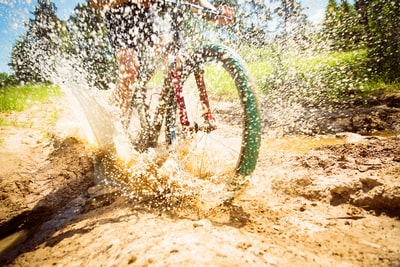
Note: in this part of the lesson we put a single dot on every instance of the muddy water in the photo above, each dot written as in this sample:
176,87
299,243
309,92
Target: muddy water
157,173
299,144
171,176
13,240
283,218
293,198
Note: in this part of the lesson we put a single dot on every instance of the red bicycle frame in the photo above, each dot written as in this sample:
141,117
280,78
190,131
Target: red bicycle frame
183,117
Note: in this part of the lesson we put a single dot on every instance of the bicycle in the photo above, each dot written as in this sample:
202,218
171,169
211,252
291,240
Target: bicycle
199,116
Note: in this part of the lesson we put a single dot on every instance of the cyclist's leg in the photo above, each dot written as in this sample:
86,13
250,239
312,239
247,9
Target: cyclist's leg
129,28
128,66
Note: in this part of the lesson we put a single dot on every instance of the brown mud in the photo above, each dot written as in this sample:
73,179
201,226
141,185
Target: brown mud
327,200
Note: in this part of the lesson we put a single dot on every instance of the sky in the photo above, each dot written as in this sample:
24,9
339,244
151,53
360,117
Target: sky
14,14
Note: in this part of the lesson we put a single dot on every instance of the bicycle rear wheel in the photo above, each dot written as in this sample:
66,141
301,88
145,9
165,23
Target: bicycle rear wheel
221,110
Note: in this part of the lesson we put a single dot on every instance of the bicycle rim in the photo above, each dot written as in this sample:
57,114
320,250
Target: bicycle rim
233,143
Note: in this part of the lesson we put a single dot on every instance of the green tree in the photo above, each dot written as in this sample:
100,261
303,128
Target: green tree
22,65
383,35
252,22
361,7
33,56
250,25
341,28
370,24
293,23
45,34
330,20
91,46
350,31
6,80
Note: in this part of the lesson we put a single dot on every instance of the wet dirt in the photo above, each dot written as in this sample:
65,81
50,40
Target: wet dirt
326,200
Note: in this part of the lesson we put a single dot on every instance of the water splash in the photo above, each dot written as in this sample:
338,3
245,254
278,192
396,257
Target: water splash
162,172
167,174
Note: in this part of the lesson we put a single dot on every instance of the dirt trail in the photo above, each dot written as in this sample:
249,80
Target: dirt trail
334,205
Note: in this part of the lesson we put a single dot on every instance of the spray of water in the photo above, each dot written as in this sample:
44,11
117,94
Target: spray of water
161,171
167,174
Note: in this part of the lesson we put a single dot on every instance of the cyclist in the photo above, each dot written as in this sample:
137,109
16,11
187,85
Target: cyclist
132,25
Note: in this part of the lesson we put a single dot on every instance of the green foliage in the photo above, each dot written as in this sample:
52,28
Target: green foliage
6,80
370,24
22,64
250,25
253,18
293,20
20,97
322,78
341,28
33,55
384,37
36,54
90,45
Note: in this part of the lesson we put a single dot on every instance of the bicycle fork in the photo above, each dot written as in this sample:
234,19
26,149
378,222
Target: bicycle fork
207,116
148,135
209,123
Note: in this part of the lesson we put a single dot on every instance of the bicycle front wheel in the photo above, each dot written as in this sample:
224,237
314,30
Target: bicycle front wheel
218,104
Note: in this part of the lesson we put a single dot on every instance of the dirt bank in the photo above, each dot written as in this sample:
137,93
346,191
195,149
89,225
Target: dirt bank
308,203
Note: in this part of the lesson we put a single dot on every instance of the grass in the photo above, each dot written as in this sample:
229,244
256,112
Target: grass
329,59
261,63
21,97
218,81
217,78
338,74
372,85
334,75
260,69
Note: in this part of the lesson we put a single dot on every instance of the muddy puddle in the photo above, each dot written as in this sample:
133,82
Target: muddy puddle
322,200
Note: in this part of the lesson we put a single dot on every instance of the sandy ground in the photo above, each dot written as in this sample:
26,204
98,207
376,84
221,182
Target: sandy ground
330,200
